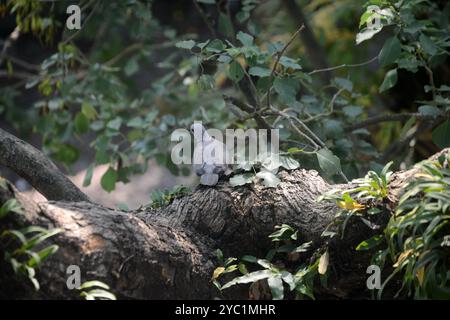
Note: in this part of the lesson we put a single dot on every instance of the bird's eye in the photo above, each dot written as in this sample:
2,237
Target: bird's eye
192,130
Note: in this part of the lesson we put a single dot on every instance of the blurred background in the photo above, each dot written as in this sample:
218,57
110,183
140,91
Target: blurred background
103,100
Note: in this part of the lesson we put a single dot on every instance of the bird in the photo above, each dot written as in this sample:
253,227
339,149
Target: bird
210,156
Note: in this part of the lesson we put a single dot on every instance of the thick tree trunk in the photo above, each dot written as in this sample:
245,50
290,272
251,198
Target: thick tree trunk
168,252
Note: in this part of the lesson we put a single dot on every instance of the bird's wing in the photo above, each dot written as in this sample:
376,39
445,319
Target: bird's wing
209,179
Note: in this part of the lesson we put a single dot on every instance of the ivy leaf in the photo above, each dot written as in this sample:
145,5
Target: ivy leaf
328,162
290,63
389,81
241,179
259,72
352,111
344,83
235,71
390,51
109,178
269,179
245,38
287,88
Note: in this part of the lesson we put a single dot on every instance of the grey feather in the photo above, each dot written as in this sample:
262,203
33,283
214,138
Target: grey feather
209,179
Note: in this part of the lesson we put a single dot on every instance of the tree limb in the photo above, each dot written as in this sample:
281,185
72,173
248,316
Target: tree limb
32,165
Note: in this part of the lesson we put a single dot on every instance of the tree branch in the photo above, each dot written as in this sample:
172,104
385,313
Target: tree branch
32,165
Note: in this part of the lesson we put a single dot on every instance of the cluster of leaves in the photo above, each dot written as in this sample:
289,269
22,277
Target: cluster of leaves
23,248
92,95
264,167
368,193
415,239
420,40
285,267
95,290
161,198
417,236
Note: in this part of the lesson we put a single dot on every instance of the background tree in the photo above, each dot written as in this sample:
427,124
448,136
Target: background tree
348,96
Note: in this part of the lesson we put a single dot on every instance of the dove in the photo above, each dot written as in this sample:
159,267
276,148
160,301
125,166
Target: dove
210,156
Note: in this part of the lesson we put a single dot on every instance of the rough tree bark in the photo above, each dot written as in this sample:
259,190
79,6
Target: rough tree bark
167,253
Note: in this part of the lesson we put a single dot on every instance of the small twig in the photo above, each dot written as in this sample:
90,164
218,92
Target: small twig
330,108
392,117
205,19
277,61
22,63
72,36
12,37
343,66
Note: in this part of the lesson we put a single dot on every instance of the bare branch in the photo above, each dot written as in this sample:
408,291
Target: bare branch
32,165
279,55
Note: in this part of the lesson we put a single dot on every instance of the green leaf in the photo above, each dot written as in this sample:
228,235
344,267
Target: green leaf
109,178
276,287
235,71
352,111
245,38
249,278
344,83
427,45
241,179
441,135
98,293
259,72
131,67
115,123
81,123
390,51
215,46
185,44
328,162
269,179
88,177
389,81
287,88
290,63
366,34
429,110
10,205
88,111
250,259
289,163
93,283
369,243
43,254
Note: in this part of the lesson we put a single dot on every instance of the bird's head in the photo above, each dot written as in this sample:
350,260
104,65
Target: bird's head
199,131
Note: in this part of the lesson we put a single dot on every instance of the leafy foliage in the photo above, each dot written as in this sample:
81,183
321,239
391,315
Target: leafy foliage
95,290
23,248
297,278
